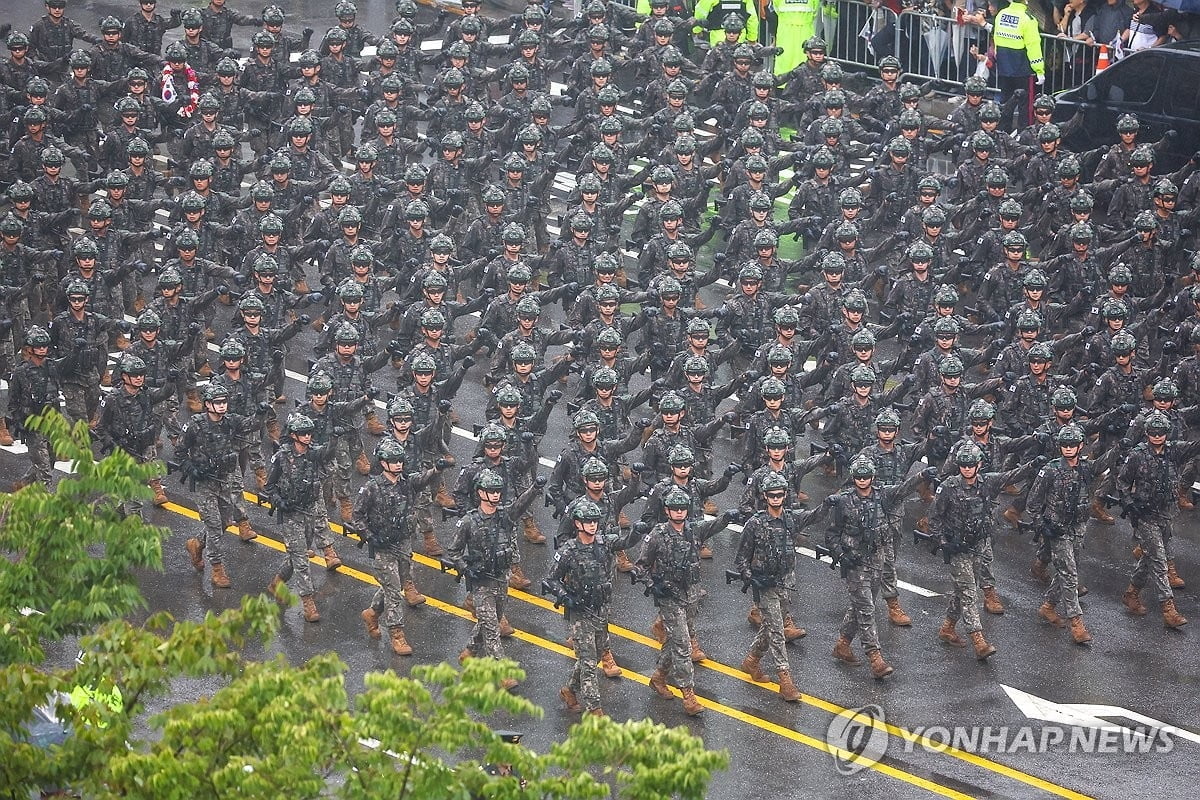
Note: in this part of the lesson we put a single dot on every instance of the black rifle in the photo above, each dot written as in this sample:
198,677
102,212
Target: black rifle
752,583
920,536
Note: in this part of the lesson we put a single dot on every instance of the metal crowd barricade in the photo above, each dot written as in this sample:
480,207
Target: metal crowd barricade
858,33
1069,62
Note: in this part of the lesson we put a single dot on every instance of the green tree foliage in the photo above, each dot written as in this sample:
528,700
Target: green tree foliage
273,730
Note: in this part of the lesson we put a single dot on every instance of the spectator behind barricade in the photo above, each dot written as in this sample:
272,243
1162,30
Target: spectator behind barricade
1141,34
1105,20
1167,27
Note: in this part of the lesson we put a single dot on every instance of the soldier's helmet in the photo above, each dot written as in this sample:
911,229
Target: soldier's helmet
677,498
969,455
586,511
862,467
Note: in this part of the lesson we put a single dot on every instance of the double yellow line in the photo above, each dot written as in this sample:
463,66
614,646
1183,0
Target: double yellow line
720,708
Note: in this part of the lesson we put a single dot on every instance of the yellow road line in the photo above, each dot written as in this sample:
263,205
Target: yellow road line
555,647
724,669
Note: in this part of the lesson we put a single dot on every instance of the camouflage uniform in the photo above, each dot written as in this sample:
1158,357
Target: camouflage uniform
209,450
294,490
767,553
1059,499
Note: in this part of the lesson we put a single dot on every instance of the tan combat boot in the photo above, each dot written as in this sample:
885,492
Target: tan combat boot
532,532
273,431
792,631
752,666
6,438
1079,631
194,405
691,706
431,545
950,636
879,668
1012,516
1173,579
705,552
623,562
1132,600
196,551
444,498
245,532
1100,513
658,682
1047,612
345,509
710,507
787,689
205,370
300,287
411,596
506,628
896,614
608,665
160,497
1185,498
658,631
362,464
697,655
1038,570
843,652
374,426
400,645
219,578
508,684
983,650
570,700
371,620
1171,616
260,478
755,616
332,561
310,609
273,589
991,601
517,579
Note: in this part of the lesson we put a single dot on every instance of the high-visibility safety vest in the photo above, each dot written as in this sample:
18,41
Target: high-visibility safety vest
715,11
1018,42
797,22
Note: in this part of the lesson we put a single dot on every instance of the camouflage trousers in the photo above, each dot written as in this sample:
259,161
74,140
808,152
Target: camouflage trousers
887,566
589,630
1064,584
39,457
964,602
770,632
862,584
491,598
393,567
987,580
219,505
1154,535
675,657
81,401
297,528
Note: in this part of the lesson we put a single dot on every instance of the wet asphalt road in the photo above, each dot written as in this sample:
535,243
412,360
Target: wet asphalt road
777,749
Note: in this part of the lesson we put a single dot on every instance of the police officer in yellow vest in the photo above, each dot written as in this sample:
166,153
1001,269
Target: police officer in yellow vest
1019,63
797,21
712,13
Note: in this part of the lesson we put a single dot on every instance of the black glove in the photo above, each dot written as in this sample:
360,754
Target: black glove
831,500
304,319
372,392
444,406
731,515
929,474
539,481
444,463
644,423
553,396
733,469
468,361
729,416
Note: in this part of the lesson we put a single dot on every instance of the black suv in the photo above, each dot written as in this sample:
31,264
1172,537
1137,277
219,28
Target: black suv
1159,86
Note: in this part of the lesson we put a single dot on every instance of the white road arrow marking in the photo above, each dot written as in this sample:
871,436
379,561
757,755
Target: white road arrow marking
1087,715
